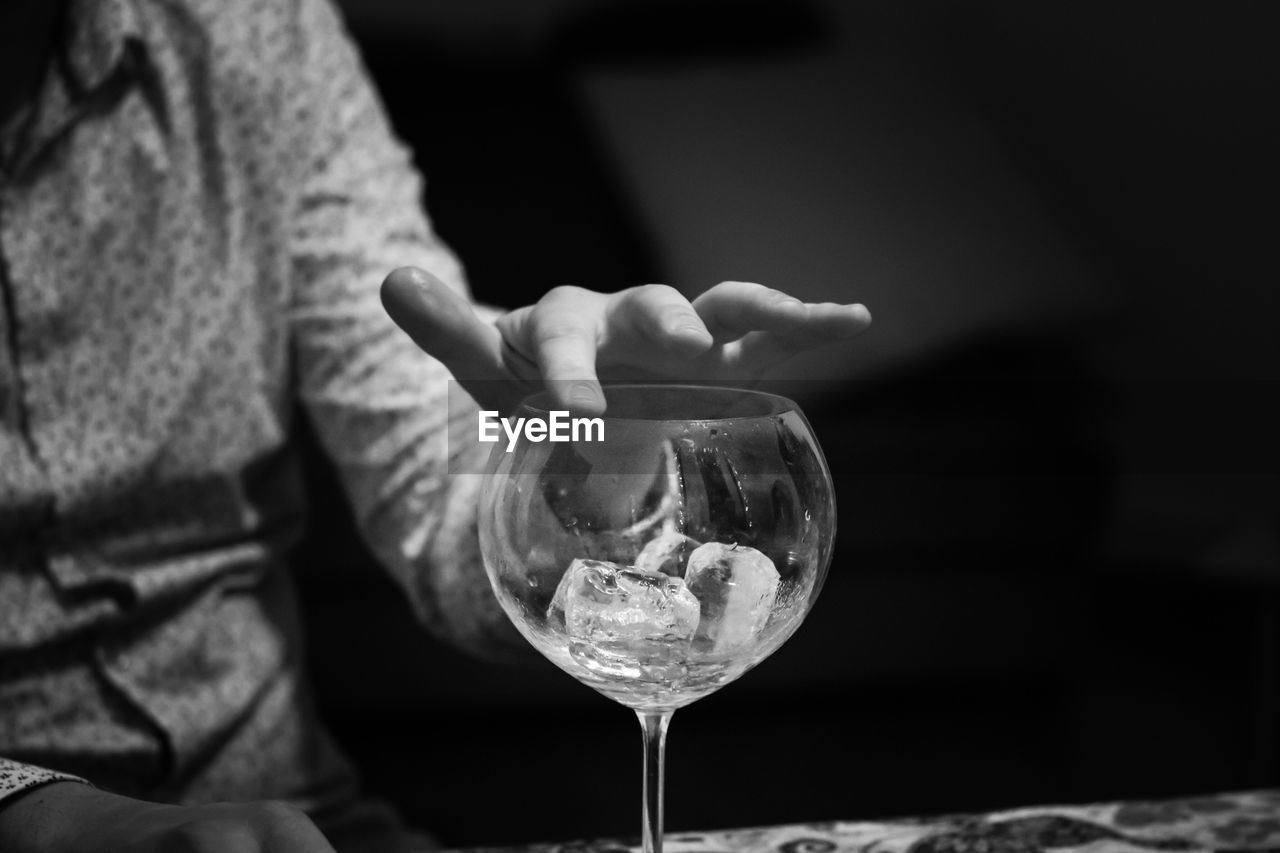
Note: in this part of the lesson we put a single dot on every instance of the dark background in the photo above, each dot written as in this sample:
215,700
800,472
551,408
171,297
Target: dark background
1057,570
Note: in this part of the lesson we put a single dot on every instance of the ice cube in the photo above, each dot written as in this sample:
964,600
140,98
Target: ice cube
605,602
573,580
666,552
736,587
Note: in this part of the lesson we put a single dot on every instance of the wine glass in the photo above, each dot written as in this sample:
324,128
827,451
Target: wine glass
662,559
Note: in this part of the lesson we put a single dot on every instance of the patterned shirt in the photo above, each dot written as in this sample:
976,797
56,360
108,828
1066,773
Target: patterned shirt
194,223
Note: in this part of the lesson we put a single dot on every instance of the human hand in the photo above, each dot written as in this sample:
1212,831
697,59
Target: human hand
70,817
572,337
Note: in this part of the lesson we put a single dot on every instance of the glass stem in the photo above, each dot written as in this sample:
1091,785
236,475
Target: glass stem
654,728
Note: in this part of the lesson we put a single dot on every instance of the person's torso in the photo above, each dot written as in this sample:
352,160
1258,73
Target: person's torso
146,490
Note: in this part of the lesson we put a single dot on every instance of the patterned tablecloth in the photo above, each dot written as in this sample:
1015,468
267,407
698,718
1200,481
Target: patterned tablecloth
1222,822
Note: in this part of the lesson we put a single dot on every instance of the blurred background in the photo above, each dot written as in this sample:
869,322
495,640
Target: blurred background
1057,574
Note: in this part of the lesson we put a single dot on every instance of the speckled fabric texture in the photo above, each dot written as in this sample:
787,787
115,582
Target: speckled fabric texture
15,777
1229,823
193,229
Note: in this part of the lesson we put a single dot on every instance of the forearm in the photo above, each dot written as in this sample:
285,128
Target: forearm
37,817
426,534
67,817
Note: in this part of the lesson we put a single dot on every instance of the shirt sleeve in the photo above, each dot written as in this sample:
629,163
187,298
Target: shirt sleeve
380,406
16,778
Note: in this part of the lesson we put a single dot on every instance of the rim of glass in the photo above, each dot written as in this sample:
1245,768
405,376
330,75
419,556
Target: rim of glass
778,404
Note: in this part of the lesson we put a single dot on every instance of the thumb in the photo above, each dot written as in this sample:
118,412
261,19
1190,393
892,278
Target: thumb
443,325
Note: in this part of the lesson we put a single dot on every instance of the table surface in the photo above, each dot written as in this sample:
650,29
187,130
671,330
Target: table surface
1219,822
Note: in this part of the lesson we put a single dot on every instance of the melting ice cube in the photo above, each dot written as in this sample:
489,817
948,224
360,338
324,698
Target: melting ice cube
625,622
736,586
666,552
570,582
602,601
